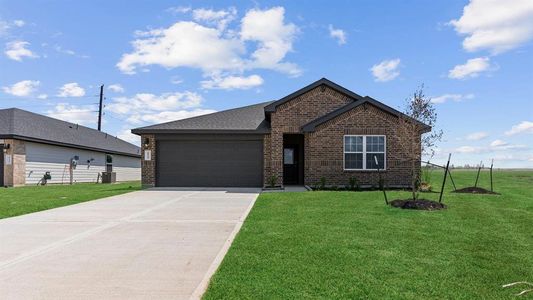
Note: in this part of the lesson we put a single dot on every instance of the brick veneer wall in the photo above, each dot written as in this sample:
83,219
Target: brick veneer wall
291,116
324,149
148,167
15,174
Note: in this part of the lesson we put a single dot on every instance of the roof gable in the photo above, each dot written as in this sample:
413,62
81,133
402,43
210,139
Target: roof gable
323,81
25,125
311,126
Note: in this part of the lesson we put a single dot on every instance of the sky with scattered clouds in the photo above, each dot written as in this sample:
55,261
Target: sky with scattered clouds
169,60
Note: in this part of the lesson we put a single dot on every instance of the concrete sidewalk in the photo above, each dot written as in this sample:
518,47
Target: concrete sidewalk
158,244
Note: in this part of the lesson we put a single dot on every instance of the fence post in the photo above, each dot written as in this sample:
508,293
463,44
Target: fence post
451,178
478,170
382,182
444,179
491,164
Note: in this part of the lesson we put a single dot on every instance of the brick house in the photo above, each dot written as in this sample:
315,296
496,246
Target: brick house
321,130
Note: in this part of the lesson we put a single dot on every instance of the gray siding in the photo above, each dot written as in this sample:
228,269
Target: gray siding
41,158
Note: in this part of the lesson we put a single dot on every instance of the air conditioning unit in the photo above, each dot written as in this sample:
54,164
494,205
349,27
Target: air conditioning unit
109,177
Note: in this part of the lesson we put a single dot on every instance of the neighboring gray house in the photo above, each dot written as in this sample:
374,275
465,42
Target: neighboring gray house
34,144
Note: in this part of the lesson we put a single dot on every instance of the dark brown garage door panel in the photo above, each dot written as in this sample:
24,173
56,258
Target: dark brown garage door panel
237,163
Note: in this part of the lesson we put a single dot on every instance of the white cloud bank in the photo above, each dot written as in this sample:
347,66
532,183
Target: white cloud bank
337,34
495,25
206,43
22,88
386,70
233,82
476,136
471,69
117,88
150,108
523,127
451,97
79,114
17,50
72,89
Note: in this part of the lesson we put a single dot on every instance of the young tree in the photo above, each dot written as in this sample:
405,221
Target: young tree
415,133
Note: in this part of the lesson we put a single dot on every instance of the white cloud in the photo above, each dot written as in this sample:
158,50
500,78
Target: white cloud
493,147
22,88
498,143
5,26
219,18
233,82
337,34
471,68
83,114
386,70
467,149
179,9
42,96
117,88
145,102
149,108
495,25
17,50
71,89
274,38
476,136
19,23
523,127
184,44
451,97
167,116
215,49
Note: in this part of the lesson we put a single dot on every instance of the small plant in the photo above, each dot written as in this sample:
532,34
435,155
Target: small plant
322,184
272,181
381,183
354,184
334,188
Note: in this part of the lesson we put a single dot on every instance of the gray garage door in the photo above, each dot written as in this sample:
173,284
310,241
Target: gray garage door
205,163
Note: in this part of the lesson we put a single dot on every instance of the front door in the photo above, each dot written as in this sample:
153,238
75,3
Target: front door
290,164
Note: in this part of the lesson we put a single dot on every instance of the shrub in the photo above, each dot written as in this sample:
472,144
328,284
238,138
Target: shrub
381,183
272,180
353,184
322,184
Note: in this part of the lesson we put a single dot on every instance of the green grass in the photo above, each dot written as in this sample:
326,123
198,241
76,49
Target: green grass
350,245
28,199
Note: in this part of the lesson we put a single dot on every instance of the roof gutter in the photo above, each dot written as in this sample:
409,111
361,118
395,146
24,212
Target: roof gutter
30,139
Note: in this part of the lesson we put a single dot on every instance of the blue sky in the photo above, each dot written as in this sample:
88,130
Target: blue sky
165,60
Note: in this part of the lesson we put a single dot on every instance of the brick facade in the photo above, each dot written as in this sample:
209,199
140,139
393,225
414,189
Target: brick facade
148,166
291,116
15,173
325,154
324,148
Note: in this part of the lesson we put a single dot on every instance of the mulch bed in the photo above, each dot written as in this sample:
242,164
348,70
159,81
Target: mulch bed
475,190
421,204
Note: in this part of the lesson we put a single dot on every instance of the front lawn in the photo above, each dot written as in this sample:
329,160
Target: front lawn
28,199
350,245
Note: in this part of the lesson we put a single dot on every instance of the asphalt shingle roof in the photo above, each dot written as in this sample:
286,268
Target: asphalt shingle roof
17,123
239,120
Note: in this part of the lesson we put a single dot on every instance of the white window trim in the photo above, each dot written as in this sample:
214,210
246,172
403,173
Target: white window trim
364,152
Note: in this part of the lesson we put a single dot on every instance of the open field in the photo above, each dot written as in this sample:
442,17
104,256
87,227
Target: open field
28,199
350,245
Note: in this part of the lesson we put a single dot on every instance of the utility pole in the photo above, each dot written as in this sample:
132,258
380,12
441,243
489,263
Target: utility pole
100,108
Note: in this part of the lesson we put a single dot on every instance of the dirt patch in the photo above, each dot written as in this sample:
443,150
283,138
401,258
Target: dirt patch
474,190
421,204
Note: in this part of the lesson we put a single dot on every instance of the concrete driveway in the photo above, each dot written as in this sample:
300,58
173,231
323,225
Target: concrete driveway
157,244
